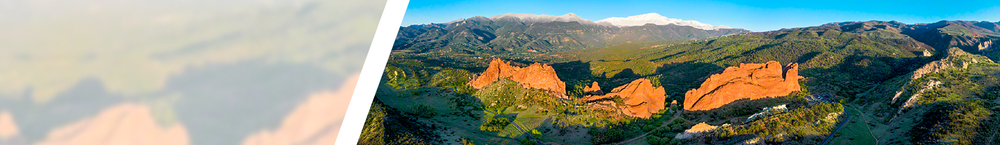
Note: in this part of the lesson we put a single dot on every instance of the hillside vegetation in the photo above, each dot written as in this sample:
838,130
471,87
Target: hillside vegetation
899,83
481,36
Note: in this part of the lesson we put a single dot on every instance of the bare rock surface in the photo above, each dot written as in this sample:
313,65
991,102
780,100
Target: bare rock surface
695,130
747,81
540,76
535,76
640,98
593,89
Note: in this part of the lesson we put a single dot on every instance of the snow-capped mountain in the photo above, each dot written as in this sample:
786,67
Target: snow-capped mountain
637,20
542,18
654,18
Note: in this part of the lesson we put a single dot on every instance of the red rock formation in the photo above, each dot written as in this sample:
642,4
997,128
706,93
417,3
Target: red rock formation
639,96
748,81
540,76
593,89
498,69
536,76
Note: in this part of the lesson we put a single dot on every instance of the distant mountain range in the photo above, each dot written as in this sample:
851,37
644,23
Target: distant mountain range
970,36
516,33
654,18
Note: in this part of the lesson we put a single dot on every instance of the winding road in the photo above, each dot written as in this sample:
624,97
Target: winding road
827,140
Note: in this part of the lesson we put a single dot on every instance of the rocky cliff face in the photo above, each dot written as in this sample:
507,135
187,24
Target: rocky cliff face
748,81
498,69
536,76
957,58
540,76
593,89
985,45
640,98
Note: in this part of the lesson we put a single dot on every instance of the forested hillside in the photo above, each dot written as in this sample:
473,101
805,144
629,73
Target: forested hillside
487,36
871,82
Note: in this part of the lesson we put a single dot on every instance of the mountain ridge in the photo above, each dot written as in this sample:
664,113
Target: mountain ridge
657,19
528,33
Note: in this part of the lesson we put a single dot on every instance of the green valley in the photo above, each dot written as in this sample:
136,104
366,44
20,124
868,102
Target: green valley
900,83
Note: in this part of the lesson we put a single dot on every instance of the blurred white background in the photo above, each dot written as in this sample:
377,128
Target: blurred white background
180,72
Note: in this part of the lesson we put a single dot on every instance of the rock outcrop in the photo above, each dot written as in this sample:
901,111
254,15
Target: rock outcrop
535,76
593,89
985,45
696,130
955,57
748,81
498,69
640,98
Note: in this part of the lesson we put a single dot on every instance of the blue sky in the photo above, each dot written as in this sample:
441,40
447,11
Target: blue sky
752,15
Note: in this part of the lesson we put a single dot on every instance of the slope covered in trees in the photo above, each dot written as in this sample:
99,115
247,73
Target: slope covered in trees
858,66
485,36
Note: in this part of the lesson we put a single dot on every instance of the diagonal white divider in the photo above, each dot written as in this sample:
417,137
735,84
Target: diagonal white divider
371,73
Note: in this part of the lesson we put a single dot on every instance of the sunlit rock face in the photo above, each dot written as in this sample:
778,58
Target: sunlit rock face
696,130
535,76
123,124
314,122
593,89
540,76
640,98
747,81
498,69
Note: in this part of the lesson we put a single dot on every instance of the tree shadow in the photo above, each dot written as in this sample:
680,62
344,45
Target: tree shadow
857,74
807,57
737,111
623,77
678,78
576,75
407,122
573,70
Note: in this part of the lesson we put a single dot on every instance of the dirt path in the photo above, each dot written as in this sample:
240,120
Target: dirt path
866,124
